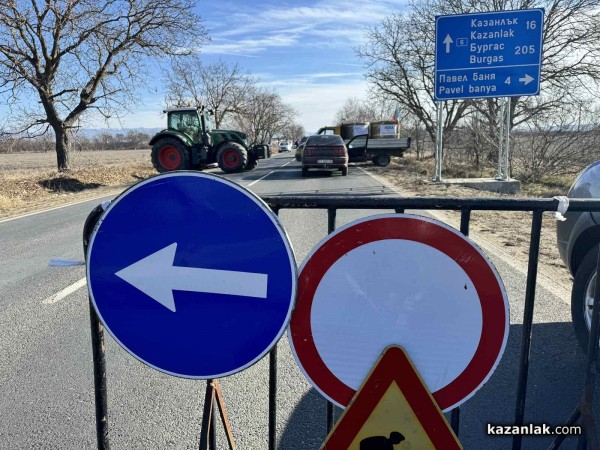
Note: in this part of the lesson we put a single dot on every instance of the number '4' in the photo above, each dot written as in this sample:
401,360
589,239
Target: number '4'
507,80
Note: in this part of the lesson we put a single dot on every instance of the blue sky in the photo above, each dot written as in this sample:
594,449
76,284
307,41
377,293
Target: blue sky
304,49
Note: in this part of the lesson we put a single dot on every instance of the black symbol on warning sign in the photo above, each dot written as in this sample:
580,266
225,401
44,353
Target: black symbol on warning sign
381,442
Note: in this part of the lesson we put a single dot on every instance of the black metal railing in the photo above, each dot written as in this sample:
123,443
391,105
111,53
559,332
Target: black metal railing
583,414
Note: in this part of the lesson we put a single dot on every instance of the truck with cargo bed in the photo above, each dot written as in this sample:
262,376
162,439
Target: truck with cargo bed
371,141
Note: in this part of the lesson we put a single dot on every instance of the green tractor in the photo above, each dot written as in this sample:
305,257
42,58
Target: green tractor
189,142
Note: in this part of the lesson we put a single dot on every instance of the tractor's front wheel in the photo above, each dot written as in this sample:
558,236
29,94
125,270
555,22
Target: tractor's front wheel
252,162
170,154
232,157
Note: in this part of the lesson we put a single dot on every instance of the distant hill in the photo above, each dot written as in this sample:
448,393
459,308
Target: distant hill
93,132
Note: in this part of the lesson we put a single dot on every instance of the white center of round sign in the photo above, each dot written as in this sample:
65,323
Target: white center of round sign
349,328
403,280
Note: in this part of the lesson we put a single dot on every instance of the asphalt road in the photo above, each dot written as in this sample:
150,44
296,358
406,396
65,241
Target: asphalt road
46,385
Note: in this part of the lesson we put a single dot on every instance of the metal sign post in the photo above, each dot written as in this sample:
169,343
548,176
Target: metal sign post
437,177
507,140
504,141
499,174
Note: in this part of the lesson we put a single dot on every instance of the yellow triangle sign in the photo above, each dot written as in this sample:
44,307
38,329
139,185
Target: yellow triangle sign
393,409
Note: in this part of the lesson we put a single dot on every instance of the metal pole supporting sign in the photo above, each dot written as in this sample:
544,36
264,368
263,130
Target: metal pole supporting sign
507,140
499,174
438,144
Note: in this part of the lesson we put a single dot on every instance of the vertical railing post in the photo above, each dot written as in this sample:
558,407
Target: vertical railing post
208,432
98,347
273,390
331,216
534,247
100,389
273,398
465,219
330,416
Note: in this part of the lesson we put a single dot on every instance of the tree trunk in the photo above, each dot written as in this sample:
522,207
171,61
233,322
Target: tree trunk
63,146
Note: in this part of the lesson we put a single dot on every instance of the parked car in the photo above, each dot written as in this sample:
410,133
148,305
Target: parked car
577,239
285,146
300,148
325,152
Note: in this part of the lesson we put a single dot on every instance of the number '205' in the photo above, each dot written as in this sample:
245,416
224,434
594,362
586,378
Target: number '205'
524,49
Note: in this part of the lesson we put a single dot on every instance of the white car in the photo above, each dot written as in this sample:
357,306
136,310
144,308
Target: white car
285,146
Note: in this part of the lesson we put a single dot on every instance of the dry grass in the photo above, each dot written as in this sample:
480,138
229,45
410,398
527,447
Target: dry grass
508,230
27,183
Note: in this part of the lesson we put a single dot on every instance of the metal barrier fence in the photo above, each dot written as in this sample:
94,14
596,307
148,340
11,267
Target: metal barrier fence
583,413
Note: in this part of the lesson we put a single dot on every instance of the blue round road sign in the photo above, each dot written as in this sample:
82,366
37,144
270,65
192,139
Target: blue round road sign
192,274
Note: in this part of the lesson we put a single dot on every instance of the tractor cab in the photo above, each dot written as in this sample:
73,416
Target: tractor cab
189,122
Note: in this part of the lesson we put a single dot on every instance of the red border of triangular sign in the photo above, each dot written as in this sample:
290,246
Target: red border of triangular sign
393,365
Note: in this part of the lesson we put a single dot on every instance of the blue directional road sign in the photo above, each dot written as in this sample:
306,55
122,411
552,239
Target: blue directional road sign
192,274
496,54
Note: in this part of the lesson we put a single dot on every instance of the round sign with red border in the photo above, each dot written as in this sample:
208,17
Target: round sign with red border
405,280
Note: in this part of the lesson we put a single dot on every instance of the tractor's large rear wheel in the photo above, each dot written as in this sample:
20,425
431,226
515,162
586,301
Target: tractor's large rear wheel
170,154
232,157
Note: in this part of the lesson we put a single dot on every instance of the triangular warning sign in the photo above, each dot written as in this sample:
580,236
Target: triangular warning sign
392,409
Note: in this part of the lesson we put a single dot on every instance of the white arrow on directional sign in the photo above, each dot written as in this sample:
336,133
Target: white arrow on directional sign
156,276
526,79
448,41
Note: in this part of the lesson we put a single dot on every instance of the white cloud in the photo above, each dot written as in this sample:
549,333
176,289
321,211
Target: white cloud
346,64
249,45
150,115
327,23
301,79
317,103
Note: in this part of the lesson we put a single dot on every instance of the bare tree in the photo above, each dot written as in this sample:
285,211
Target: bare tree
557,144
354,110
400,56
399,53
294,131
222,87
264,115
60,59
374,108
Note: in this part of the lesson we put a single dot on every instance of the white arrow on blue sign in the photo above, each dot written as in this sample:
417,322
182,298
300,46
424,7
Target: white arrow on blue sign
495,54
192,274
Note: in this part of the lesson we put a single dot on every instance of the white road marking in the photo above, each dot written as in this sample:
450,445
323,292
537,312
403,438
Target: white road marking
65,292
547,282
58,207
265,176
